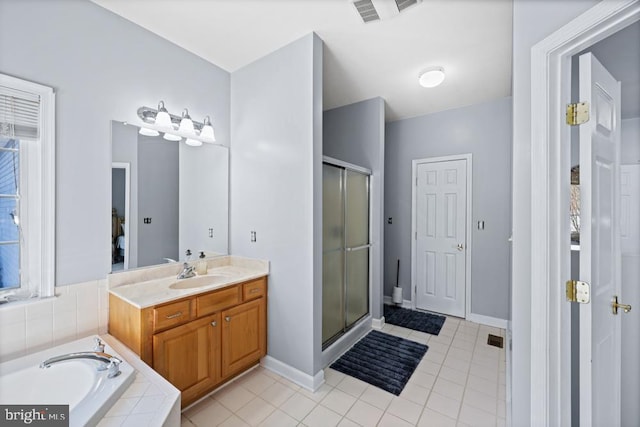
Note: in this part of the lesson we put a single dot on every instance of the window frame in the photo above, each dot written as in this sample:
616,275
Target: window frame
37,198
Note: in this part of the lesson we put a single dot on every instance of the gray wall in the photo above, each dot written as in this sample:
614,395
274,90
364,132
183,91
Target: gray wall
484,130
355,134
275,163
630,150
158,200
101,67
533,20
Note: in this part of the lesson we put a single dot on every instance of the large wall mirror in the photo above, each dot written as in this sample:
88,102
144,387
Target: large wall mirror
167,197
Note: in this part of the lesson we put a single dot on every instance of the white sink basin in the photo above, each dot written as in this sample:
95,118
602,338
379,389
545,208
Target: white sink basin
199,281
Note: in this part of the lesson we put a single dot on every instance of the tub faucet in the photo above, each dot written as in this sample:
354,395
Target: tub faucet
109,362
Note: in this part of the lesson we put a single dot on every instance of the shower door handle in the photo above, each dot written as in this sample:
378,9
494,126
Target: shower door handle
357,248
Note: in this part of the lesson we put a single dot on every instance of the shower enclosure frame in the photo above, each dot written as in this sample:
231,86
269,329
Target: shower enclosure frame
367,316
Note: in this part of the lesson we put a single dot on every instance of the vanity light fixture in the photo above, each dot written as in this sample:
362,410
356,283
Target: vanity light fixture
174,127
171,137
148,132
186,124
163,119
193,142
206,133
431,77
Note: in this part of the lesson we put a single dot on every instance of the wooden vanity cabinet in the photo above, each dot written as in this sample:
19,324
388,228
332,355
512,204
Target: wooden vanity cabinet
188,356
243,336
197,343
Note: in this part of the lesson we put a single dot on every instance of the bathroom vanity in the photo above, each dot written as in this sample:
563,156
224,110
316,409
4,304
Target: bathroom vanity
198,332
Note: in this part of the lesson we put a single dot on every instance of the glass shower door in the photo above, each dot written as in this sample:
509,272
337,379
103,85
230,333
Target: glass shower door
332,252
357,246
345,290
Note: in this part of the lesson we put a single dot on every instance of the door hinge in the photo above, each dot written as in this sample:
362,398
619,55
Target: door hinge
577,113
578,291
415,235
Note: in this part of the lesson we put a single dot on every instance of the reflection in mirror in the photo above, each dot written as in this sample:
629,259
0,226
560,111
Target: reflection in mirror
167,197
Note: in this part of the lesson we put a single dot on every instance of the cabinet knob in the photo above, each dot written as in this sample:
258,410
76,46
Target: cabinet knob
227,318
214,323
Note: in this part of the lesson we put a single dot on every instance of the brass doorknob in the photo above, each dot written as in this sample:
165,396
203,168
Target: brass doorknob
615,306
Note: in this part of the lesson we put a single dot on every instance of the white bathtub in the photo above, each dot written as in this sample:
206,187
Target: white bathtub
77,383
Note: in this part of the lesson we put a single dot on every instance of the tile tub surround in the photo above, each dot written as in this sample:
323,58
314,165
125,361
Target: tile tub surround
149,401
75,312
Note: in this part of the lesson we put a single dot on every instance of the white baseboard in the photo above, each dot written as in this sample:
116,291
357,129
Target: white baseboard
311,383
405,303
377,323
488,320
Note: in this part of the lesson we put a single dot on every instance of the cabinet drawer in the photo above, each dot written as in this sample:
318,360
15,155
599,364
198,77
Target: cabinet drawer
254,289
170,315
218,300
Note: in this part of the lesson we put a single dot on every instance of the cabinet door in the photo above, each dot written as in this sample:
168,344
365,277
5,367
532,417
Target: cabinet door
188,356
244,336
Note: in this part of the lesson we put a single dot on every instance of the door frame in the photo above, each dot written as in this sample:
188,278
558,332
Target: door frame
414,171
127,207
550,161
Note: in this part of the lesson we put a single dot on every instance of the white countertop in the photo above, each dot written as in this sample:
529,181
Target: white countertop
165,289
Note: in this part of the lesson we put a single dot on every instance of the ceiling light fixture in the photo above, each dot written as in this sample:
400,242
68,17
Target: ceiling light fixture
431,77
174,127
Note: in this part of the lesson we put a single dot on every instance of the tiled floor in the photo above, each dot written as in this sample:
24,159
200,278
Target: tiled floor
459,382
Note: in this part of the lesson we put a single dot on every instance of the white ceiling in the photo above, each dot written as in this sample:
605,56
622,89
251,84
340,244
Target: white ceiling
471,39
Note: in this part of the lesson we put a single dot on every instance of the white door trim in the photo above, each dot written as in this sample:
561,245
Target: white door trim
550,138
127,204
414,170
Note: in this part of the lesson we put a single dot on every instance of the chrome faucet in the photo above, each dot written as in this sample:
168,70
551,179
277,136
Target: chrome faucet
109,362
187,270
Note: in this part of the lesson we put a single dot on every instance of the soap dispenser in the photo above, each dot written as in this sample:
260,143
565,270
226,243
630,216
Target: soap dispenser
201,266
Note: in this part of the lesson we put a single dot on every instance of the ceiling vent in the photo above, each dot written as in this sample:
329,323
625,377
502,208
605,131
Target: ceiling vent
403,4
376,10
366,10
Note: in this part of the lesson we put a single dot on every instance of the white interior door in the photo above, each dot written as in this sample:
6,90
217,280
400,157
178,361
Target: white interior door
600,355
440,234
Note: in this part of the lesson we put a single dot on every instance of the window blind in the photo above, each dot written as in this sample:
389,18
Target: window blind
19,113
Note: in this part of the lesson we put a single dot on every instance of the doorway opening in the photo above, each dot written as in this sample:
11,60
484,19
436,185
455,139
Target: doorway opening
120,202
550,244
